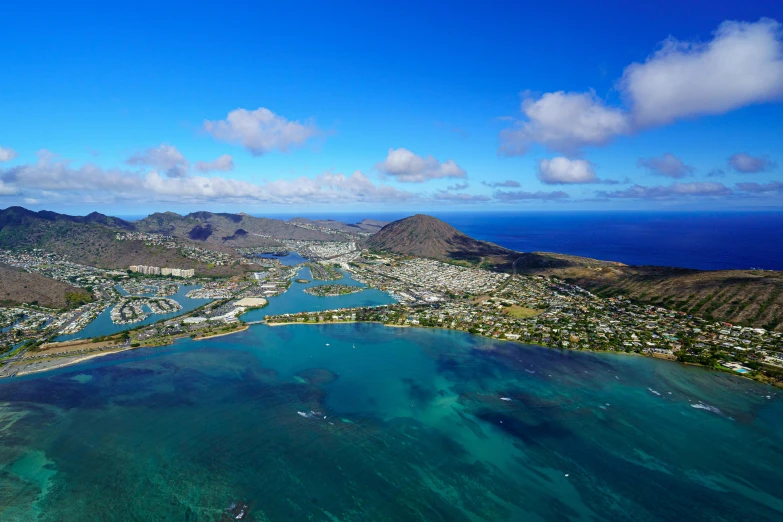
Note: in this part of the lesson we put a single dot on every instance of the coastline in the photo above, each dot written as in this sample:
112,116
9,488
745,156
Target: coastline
83,358
320,322
245,327
517,341
70,363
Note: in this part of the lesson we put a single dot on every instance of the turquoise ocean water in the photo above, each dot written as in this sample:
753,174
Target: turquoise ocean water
416,427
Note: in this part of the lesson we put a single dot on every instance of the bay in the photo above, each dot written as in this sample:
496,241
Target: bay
416,428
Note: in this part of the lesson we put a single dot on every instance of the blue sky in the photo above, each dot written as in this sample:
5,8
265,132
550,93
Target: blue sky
391,106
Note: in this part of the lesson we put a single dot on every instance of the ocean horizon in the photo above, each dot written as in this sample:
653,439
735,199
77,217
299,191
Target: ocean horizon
698,240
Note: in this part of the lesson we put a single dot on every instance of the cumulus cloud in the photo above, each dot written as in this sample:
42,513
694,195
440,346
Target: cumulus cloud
675,190
565,122
509,183
773,187
442,195
6,190
741,65
564,171
335,187
747,164
7,154
405,166
165,157
50,177
521,195
261,131
224,163
53,174
667,165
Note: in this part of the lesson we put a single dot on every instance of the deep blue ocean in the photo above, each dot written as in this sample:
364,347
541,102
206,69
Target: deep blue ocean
708,241
703,240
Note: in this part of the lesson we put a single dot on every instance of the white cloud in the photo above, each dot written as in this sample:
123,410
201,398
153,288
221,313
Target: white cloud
509,183
334,187
565,122
741,65
773,187
6,190
405,166
747,164
667,165
49,173
7,154
563,171
675,190
521,195
165,157
451,197
51,178
261,131
224,163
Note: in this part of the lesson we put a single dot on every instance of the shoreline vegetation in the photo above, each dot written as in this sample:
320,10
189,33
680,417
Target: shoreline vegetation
52,356
55,355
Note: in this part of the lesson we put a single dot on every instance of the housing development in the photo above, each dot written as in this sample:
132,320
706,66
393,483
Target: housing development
165,271
532,309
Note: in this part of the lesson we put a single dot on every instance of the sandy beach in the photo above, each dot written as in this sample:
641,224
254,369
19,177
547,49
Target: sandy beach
56,362
221,334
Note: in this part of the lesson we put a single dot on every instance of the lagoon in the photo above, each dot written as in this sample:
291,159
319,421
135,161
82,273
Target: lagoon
295,300
103,325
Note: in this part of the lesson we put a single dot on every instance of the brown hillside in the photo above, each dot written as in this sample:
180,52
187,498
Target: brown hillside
18,287
426,236
753,298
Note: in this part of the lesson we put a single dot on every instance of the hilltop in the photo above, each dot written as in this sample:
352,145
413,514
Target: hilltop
427,236
225,229
89,240
20,216
92,240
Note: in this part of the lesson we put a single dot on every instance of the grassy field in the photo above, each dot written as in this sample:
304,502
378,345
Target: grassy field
520,312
